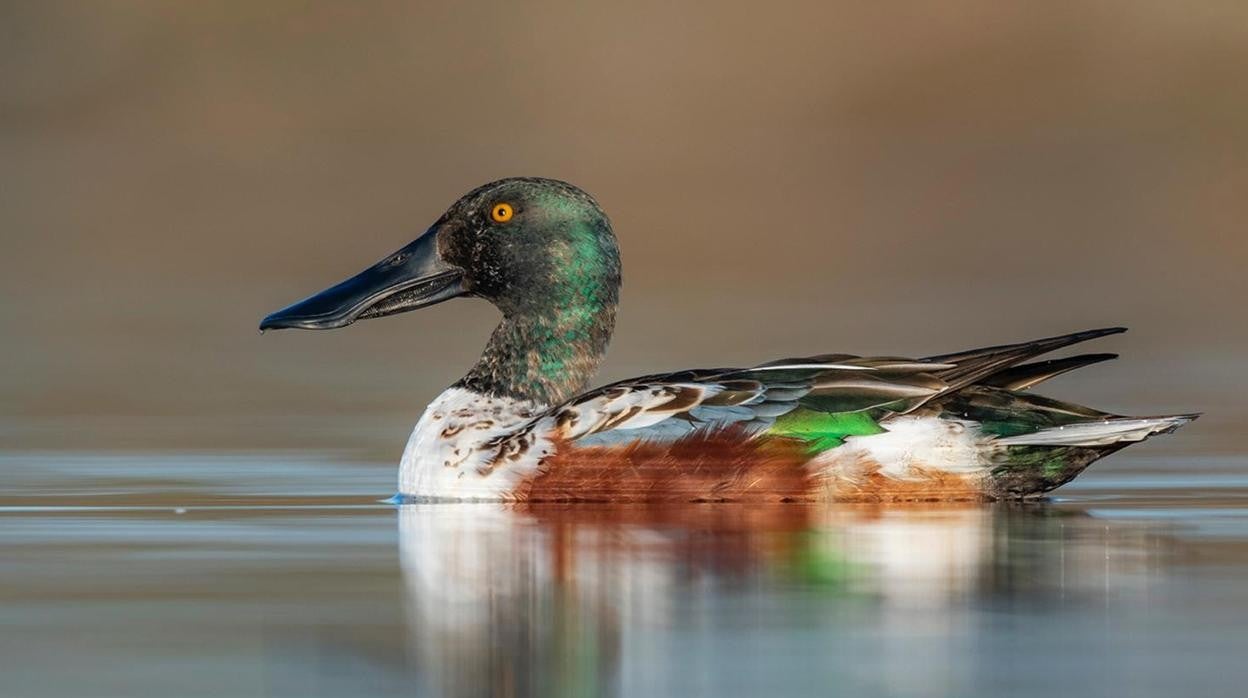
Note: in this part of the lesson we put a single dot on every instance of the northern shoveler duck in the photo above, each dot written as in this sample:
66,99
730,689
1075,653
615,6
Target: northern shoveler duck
827,427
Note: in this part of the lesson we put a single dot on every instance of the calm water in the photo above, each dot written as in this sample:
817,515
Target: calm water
284,575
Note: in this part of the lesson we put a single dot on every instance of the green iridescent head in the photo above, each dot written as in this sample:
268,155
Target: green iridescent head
542,251
532,246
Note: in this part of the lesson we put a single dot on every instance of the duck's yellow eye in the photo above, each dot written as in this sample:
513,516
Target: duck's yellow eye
501,213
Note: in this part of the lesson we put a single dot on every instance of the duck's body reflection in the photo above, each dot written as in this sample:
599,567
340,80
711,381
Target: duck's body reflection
578,599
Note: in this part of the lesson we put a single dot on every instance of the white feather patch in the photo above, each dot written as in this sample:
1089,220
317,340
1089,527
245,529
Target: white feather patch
912,444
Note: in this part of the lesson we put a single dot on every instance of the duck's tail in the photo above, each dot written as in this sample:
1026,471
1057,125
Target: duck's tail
1037,443
1029,465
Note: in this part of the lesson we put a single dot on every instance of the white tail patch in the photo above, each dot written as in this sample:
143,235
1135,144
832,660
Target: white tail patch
1102,433
912,445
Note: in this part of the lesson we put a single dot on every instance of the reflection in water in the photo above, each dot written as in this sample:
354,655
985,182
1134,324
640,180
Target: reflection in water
542,600
135,576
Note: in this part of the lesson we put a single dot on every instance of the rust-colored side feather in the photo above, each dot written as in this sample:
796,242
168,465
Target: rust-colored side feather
716,466
726,466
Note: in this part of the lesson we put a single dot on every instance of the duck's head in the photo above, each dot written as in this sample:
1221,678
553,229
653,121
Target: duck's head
532,247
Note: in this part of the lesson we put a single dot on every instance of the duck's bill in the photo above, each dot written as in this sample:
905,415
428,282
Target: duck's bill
414,277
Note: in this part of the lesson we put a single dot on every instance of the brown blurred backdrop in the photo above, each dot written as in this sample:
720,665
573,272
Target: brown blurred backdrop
785,178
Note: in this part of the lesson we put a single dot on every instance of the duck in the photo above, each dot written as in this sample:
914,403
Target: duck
521,426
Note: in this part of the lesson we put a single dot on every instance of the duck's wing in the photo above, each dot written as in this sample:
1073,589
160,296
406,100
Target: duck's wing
668,406
821,398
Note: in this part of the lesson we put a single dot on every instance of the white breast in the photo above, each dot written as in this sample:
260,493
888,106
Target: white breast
460,448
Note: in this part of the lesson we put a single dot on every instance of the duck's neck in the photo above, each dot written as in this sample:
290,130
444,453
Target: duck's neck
544,356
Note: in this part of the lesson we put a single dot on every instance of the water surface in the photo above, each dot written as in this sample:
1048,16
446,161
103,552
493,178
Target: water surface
286,575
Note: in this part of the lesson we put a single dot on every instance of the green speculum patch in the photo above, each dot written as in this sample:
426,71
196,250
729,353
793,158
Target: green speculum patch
824,430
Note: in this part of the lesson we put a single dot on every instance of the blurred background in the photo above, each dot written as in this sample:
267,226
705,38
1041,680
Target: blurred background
800,178
192,509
